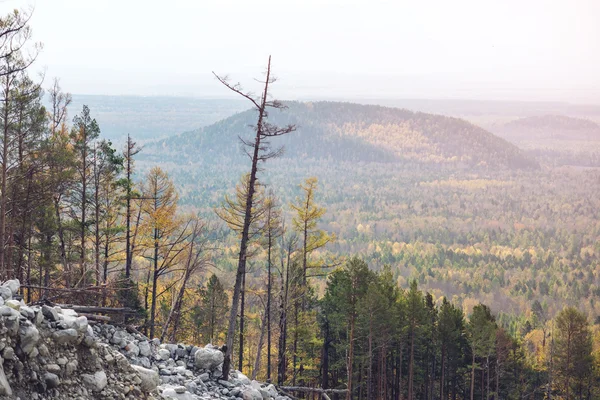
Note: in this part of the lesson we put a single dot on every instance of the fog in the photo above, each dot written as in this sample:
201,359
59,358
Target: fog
509,50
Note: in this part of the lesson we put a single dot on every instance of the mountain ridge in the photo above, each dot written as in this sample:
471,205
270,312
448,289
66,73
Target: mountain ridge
341,131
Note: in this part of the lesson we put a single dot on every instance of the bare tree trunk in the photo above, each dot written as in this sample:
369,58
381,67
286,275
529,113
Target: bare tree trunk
154,282
260,346
262,131
473,378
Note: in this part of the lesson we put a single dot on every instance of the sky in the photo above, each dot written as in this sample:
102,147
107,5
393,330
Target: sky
468,49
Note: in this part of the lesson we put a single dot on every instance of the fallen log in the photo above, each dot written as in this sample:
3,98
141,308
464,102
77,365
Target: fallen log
313,390
98,310
95,317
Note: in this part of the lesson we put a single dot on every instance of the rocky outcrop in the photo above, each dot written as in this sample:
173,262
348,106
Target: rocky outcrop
52,353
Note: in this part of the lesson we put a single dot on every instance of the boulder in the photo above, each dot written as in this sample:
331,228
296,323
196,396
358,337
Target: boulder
249,393
5,389
145,349
5,292
149,378
13,285
208,358
14,304
50,313
52,380
95,382
29,337
68,336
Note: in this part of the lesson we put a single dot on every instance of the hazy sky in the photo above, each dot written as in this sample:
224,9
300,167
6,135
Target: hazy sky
490,49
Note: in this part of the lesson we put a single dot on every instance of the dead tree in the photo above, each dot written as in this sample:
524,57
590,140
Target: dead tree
259,150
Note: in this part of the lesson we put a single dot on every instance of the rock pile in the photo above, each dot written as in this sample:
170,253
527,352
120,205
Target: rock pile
53,353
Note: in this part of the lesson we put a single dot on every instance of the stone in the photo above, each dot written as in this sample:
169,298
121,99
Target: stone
13,285
6,311
250,393
149,378
27,312
5,292
145,349
52,380
68,336
164,354
50,313
29,337
96,382
208,358
53,368
132,350
171,393
14,304
8,353
5,389
12,324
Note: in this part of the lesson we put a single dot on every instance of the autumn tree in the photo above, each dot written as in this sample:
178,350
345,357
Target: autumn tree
572,353
164,233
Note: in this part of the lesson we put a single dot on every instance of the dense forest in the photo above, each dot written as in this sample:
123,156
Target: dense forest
430,259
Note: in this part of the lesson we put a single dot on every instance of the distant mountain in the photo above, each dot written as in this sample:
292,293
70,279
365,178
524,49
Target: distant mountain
346,132
550,127
152,117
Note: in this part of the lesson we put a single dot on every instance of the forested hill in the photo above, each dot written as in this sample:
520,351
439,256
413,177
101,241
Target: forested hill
550,127
351,132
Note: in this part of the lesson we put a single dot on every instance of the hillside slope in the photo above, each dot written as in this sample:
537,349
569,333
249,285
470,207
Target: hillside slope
351,132
550,127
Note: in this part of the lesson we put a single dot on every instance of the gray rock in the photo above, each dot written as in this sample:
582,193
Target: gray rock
68,336
5,292
27,312
53,368
145,349
50,313
14,304
5,389
96,382
149,378
164,354
29,337
12,324
6,311
208,358
8,353
132,350
250,393
52,380
13,285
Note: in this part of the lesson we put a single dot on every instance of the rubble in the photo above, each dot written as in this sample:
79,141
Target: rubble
52,353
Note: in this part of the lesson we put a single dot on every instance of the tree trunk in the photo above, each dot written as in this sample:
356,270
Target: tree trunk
242,315
241,270
473,378
259,349
443,371
411,362
154,282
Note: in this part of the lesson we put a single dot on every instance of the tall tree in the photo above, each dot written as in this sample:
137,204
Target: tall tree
308,215
210,313
272,231
573,352
259,150
165,234
482,335
131,149
83,134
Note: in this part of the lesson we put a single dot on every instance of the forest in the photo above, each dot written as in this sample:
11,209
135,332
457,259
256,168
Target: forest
364,252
